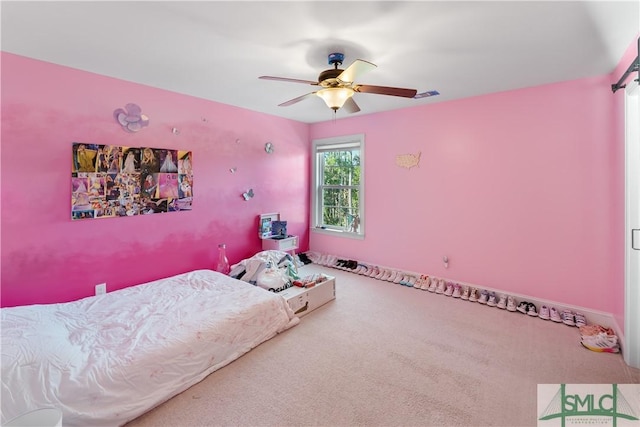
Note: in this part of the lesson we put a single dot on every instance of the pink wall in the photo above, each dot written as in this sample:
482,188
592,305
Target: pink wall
48,258
520,189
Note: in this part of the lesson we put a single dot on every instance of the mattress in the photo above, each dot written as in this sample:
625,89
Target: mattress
107,359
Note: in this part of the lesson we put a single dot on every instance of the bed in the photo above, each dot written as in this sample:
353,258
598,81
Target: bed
106,360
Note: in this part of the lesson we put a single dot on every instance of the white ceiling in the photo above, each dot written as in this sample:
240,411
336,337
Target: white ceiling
216,49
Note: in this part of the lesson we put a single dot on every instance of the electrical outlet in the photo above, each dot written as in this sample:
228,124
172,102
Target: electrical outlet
101,289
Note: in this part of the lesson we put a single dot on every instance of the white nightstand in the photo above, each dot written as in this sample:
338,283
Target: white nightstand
267,234
285,245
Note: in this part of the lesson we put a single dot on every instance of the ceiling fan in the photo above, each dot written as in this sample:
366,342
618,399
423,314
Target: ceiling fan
338,86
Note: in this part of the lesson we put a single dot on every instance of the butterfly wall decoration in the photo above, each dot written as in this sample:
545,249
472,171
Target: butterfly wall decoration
131,118
248,194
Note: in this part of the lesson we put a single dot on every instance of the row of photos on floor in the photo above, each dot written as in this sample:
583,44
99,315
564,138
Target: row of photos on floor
111,181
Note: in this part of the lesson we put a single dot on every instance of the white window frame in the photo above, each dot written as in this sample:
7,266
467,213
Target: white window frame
319,146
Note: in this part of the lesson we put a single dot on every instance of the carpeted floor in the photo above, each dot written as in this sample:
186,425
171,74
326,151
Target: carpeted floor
388,355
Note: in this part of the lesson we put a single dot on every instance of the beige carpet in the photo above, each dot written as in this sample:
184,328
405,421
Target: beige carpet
387,355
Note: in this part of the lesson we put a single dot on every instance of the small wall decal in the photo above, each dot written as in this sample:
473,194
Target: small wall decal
408,161
131,118
248,194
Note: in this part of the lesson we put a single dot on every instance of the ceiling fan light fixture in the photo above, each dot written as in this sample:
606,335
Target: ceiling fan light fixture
335,97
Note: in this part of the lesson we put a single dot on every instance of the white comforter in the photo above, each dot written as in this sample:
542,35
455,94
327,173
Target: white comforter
107,359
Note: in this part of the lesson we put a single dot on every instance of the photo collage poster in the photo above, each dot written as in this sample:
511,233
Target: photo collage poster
110,181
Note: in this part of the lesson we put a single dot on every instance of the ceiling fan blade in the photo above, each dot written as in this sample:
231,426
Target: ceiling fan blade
296,100
384,90
350,106
355,70
285,79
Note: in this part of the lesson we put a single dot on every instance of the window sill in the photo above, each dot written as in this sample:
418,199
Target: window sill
337,233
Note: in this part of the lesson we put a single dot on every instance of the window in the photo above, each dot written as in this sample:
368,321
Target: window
337,185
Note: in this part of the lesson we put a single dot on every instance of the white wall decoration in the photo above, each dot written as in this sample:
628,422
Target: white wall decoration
131,118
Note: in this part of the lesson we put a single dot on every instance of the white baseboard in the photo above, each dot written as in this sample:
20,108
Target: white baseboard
593,316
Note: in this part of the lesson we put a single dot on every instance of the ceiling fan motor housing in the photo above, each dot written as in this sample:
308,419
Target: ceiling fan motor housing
327,78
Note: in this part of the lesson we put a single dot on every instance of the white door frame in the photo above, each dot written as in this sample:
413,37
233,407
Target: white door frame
631,345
